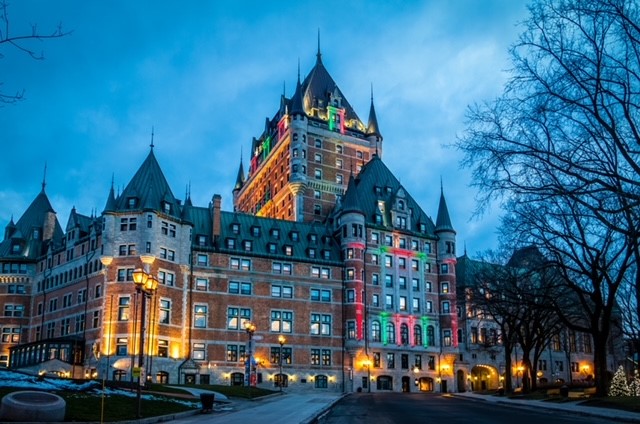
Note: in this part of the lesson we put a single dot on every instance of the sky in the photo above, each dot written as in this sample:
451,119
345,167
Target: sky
204,75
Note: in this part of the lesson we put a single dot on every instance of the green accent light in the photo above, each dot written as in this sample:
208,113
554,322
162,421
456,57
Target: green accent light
425,321
384,318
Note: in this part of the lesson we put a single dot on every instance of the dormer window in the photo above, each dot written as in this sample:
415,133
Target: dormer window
326,254
401,205
247,245
272,248
235,228
311,252
36,234
132,202
313,238
255,231
275,233
166,207
15,248
288,250
295,236
202,240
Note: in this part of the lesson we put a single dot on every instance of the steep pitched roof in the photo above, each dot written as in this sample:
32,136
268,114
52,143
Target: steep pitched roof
150,189
372,125
351,200
443,221
240,179
318,89
38,216
377,185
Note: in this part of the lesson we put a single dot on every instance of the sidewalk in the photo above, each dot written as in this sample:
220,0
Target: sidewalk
301,408
569,407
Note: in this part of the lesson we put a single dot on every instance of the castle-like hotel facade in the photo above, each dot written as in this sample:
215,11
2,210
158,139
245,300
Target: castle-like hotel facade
327,275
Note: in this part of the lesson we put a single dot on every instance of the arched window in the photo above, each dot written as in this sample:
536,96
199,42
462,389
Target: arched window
375,331
391,333
417,335
404,334
430,336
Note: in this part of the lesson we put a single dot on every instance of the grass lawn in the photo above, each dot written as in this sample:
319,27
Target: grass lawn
119,404
627,403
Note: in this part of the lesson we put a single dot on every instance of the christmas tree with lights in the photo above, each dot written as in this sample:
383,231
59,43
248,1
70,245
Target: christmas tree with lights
619,386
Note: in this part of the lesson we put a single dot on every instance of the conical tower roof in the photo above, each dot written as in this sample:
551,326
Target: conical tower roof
351,200
240,179
372,125
443,221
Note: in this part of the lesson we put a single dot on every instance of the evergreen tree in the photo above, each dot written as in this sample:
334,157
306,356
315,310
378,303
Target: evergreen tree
634,386
619,386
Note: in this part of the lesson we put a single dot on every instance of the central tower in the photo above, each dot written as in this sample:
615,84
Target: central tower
301,162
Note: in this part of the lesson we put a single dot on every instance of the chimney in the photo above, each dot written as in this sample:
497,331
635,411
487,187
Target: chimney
216,224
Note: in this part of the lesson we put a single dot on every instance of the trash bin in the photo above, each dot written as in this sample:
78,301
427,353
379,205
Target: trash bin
564,391
207,401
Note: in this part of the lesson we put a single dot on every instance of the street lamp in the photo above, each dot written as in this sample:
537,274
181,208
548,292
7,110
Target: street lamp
250,328
281,340
146,285
367,363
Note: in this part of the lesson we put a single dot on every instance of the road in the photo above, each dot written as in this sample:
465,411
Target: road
409,408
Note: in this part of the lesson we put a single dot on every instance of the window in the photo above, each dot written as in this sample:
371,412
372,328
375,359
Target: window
121,346
427,286
428,306
445,287
388,261
165,311
199,351
317,157
351,296
388,280
376,300
388,301
417,336
431,336
415,305
247,245
391,333
123,308
317,194
391,360
315,356
339,178
163,348
202,259
128,224
125,274
444,268
403,303
402,282
201,284
11,335
320,324
375,331
166,278
350,273
351,330
446,309
375,259
326,357
446,337
200,316
237,317
282,321
375,279
415,265
318,143
287,269
415,284
375,238
404,334
255,231
317,174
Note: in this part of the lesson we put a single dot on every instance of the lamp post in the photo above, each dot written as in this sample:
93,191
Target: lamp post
367,363
250,328
281,340
146,285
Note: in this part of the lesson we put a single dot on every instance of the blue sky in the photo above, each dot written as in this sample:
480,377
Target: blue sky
205,74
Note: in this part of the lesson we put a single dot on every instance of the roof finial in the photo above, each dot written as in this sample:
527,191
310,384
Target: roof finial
44,177
319,55
372,92
465,248
441,189
113,177
298,70
284,88
152,131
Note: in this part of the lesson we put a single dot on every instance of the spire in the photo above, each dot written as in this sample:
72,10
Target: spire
151,145
319,55
443,221
351,199
296,101
44,177
240,178
110,206
298,71
372,126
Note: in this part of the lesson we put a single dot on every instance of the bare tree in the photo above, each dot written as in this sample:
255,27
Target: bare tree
23,42
516,295
561,149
